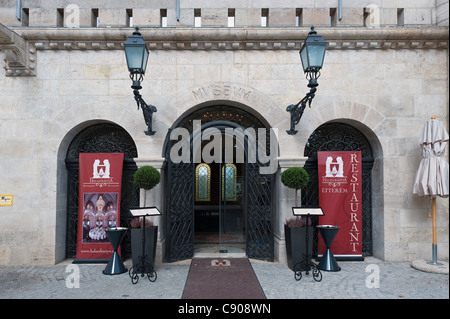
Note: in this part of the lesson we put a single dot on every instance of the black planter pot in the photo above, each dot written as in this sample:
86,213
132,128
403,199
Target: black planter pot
296,244
151,238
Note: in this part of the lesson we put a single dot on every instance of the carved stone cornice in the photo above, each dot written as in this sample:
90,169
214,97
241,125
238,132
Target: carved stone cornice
20,55
393,38
240,38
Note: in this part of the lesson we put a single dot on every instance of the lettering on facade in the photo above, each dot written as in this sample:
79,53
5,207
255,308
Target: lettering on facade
355,201
221,92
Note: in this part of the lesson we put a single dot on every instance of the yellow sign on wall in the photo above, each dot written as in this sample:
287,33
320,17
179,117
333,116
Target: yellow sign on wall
6,200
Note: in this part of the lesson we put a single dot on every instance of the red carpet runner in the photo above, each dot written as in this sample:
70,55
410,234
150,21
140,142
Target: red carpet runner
222,278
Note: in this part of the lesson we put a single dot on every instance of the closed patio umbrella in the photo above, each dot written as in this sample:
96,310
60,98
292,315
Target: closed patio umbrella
432,177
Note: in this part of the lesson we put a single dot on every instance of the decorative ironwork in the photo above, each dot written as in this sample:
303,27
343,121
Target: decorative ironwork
181,189
317,275
221,113
136,53
296,110
100,138
337,137
143,268
312,54
340,137
180,211
259,214
147,111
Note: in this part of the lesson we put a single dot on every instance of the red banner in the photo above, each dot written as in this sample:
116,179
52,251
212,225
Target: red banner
99,203
340,197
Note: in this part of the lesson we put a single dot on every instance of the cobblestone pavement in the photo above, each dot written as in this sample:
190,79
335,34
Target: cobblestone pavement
370,279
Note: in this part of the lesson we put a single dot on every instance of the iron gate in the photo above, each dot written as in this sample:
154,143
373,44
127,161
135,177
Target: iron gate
259,243
100,138
180,190
340,137
180,209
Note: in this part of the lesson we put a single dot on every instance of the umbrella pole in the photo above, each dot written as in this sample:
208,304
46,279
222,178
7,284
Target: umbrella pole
434,253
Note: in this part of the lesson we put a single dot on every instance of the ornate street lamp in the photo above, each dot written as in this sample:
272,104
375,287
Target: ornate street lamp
136,53
312,55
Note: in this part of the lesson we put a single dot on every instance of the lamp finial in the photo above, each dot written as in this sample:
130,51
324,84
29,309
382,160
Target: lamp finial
136,32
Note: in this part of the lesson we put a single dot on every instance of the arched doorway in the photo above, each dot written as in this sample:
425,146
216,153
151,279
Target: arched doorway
336,136
220,189
218,201
100,138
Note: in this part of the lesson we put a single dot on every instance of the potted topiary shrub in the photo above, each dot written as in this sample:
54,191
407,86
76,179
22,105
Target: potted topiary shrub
146,177
294,228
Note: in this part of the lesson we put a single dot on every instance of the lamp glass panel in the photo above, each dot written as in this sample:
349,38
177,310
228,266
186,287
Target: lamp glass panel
316,54
304,58
134,55
145,60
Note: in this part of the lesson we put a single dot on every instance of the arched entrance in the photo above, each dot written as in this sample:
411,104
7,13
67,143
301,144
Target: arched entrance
336,136
100,138
225,201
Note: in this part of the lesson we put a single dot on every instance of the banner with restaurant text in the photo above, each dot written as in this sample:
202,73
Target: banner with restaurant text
340,197
100,178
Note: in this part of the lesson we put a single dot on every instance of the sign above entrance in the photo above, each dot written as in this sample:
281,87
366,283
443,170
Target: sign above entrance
222,91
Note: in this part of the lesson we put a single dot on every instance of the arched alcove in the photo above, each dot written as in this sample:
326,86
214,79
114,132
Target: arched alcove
350,135
95,137
258,213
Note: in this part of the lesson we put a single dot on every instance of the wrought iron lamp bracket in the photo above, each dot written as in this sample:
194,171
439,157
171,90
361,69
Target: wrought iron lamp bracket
147,110
297,110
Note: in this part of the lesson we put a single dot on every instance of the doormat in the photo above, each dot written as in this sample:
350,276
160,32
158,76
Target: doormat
229,278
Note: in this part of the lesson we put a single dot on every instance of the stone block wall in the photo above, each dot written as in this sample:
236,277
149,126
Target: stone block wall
285,13
385,81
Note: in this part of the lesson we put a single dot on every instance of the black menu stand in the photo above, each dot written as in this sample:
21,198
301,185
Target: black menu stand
306,264
143,267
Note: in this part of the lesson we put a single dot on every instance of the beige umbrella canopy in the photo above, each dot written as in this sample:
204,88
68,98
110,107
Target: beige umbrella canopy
432,177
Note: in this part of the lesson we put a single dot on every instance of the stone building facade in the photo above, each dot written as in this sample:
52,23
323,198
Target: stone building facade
64,73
